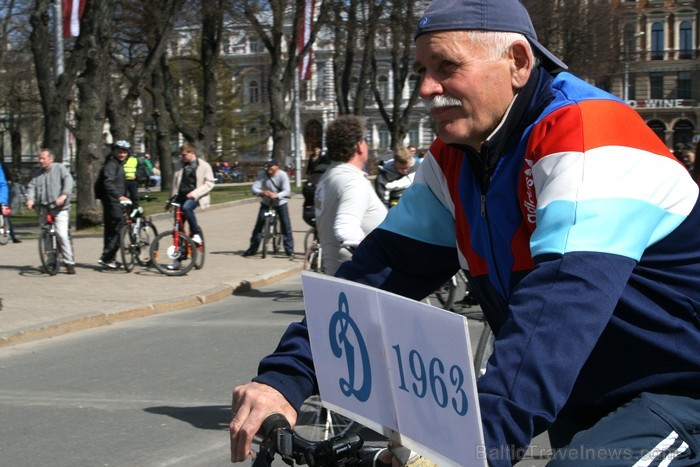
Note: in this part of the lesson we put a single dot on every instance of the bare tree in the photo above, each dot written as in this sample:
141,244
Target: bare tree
275,22
401,33
56,91
577,31
95,35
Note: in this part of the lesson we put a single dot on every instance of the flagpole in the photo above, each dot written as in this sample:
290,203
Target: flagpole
58,37
59,68
297,130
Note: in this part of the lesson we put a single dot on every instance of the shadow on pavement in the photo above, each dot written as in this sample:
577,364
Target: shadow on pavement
208,417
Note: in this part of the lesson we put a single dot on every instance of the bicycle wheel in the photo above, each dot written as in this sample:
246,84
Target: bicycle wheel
48,252
278,243
266,235
172,253
312,258
127,240
146,236
445,294
4,231
309,238
483,350
317,423
199,252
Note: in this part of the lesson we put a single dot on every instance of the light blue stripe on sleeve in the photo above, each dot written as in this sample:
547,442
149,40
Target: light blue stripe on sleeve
420,216
620,226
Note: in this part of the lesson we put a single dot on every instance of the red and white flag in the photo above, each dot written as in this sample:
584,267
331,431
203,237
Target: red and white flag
72,12
305,28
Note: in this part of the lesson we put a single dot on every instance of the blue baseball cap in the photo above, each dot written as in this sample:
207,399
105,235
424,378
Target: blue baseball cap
486,15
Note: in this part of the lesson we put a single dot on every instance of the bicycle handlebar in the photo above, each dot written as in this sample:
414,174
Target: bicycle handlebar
342,450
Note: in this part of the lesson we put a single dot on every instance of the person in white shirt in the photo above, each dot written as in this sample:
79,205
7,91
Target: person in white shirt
347,207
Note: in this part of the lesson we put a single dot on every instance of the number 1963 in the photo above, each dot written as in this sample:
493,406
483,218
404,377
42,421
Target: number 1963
434,377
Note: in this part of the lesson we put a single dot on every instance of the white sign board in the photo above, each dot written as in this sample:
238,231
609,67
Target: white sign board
400,367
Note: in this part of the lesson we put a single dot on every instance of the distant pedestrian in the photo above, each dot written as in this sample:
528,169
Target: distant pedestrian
52,183
14,194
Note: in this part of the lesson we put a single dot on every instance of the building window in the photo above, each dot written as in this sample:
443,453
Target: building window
414,136
685,85
686,40
253,91
659,128
383,137
383,88
657,41
656,85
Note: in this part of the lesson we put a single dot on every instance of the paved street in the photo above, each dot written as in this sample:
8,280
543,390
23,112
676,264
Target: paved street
152,391
36,305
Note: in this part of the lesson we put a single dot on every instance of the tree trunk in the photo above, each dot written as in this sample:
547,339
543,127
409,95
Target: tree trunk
90,113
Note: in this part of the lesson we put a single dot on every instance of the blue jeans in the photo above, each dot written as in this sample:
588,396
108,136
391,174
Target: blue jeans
188,207
648,429
285,224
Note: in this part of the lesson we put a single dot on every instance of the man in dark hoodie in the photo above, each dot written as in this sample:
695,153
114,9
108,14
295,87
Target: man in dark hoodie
110,188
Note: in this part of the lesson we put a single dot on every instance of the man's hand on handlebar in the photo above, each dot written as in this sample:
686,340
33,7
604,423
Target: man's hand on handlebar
253,402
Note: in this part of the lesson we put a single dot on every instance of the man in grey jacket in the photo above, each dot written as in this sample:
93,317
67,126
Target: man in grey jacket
272,185
53,184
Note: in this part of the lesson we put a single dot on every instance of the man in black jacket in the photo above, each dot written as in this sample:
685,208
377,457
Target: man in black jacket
111,189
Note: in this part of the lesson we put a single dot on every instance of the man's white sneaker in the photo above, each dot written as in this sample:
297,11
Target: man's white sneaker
197,239
107,264
174,266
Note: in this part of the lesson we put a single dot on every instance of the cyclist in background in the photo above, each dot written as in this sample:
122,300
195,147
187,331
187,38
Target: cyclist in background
110,189
272,185
53,183
193,180
579,231
395,176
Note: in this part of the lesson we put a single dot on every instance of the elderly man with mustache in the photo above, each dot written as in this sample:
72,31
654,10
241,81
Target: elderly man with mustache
578,230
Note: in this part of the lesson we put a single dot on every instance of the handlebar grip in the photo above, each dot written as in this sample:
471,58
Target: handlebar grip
273,422
369,457
336,448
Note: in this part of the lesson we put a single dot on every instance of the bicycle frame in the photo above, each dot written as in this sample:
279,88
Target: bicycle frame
178,223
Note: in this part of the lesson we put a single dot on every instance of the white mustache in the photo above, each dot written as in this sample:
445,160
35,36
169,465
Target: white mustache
441,100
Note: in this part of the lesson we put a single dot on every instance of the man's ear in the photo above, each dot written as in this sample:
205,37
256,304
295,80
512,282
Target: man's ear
522,62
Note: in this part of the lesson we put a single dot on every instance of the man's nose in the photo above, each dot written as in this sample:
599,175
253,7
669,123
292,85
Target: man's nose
429,87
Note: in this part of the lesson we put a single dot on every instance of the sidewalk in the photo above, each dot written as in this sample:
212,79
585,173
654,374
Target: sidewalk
36,305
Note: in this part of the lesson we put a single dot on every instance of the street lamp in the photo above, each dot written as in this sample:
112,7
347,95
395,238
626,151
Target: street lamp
626,84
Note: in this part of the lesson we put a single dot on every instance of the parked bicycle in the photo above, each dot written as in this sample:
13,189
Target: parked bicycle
278,438
173,252
49,243
136,236
5,212
272,232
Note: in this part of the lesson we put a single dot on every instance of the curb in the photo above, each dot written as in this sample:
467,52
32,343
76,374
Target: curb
89,320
